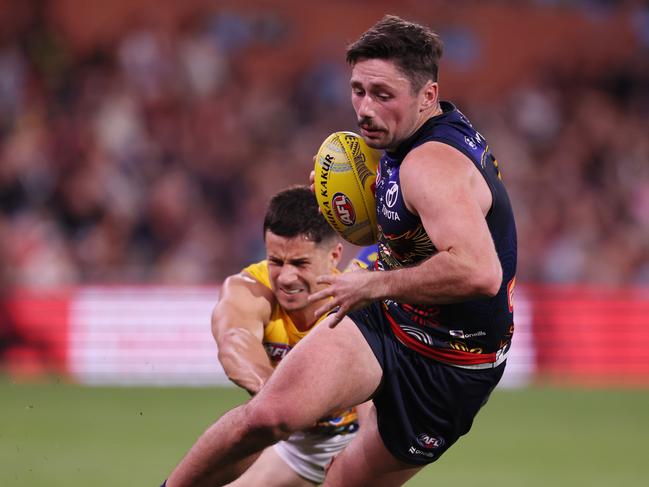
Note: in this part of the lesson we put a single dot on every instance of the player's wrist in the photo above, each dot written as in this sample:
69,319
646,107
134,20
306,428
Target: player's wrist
378,285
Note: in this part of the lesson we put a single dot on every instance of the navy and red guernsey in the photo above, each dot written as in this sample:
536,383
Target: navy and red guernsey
475,333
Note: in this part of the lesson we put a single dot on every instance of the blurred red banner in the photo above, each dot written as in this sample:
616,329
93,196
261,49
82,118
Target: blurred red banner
580,335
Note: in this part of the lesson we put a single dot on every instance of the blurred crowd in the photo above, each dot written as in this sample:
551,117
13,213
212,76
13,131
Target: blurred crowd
151,159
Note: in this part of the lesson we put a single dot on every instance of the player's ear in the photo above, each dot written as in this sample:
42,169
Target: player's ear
429,95
336,254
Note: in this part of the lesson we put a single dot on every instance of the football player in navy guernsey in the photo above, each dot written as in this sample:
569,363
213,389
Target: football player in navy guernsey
426,334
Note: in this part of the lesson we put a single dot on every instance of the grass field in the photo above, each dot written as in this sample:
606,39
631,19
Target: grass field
58,435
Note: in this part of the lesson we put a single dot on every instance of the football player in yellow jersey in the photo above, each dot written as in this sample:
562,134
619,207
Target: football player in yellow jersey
262,313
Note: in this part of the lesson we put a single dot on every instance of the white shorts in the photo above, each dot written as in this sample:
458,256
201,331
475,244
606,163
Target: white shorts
308,454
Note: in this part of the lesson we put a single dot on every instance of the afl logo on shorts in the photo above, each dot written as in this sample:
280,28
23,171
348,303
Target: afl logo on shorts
430,442
344,209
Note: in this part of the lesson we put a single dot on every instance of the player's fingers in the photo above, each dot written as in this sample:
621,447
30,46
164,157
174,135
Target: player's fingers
325,279
324,309
337,317
318,295
312,179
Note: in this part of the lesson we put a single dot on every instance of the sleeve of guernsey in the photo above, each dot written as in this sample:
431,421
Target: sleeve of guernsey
259,272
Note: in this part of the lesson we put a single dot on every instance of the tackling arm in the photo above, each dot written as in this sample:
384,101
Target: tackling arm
238,321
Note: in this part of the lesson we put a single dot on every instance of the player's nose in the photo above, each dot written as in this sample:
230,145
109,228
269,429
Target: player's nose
288,275
366,108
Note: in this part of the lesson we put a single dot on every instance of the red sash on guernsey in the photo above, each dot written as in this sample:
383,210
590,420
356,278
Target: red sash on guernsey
457,358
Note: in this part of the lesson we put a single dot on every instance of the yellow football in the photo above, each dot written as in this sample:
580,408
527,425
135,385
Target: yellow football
345,180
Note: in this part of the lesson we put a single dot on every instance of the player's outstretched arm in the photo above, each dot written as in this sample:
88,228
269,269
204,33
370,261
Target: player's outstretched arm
238,321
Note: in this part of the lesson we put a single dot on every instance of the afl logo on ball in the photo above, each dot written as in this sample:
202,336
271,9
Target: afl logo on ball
344,209
429,442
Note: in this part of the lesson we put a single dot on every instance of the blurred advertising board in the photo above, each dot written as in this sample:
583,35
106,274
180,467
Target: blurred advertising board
125,335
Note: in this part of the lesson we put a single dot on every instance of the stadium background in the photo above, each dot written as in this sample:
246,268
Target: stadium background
141,139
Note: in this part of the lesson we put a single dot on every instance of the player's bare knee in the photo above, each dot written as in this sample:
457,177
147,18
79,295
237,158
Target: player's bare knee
267,422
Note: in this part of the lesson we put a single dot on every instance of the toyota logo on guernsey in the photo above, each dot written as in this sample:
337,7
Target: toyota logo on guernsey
429,442
391,194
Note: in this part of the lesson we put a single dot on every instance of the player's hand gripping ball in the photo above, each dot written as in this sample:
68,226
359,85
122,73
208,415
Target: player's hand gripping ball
345,180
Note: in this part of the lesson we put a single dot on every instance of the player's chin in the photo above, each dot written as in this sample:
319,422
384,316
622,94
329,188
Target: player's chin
293,302
292,307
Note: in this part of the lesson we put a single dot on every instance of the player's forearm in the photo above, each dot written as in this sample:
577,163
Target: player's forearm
443,278
244,360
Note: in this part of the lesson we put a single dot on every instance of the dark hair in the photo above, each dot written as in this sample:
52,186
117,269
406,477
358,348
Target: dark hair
293,212
415,49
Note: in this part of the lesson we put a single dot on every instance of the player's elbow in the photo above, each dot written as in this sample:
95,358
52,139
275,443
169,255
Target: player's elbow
225,356
487,280
227,343
215,323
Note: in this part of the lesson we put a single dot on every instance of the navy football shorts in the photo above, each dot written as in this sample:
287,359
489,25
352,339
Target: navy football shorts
423,406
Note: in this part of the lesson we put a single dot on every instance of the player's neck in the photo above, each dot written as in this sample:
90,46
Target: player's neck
426,115
303,319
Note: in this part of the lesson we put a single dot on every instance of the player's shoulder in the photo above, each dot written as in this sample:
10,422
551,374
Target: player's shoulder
451,131
434,157
243,297
252,281
434,172
257,271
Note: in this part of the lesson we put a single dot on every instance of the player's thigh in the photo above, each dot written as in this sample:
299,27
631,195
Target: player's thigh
327,370
366,461
270,471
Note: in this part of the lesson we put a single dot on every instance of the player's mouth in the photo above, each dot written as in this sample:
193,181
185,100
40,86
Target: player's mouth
368,128
370,131
291,291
